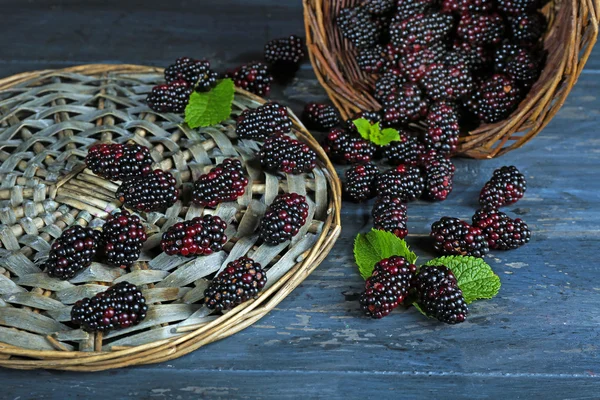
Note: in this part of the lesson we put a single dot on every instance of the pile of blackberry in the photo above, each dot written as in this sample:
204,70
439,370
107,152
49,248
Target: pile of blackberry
225,182
284,218
281,153
450,50
152,192
123,236
199,236
115,161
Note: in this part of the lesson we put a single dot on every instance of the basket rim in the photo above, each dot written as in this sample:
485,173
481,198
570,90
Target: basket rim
228,324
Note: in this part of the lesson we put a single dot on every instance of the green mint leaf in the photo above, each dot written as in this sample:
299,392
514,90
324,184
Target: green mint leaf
374,246
385,136
210,108
363,126
474,276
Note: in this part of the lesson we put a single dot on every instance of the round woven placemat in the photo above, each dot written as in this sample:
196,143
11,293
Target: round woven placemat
48,119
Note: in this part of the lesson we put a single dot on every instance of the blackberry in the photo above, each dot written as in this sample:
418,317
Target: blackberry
420,30
442,128
284,218
500,230
478,57
408,8
73,251
403,182
480,29
263,122
439,296
455,237
285,54
390,215
387,84
347,148
528,28
495,98
360,182
196,73
253,77
520,63
506,187
200,236
170,97
439,176
516,7
120,306
115,161
379,6
461,6
415,65
224,182
320,116
153,192
359,27
387,287
404,151
448,79
372,60
123,237
239,282
404,105
282,153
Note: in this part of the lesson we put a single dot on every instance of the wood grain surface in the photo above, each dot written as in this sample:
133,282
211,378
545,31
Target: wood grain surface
538,339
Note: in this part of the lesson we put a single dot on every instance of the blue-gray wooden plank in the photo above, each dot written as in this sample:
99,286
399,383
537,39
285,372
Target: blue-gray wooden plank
537,339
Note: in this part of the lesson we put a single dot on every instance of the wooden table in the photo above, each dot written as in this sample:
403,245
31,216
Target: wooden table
538,339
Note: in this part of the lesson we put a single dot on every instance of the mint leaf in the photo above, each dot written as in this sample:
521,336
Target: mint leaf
385,136
474,276
374,246
363,126
210,108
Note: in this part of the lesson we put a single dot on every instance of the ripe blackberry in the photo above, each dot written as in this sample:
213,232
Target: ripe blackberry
170,97
196,73
495,98
516,7
379,6
448,79
359,27
224,182
372,60
347,148
501,231
403,182
390,215
455,237
73,251
527,29
119,307
387,84
285,52
461,6
439,296
153,192
253,77
478,57
480,29
439,176
387,287
360,182
518,62
404,151
123,237
404,105
282,153
420,30
415,65
263,122
200,236
442,128
408,8
115,161
284,218
239,282
320,116
506,187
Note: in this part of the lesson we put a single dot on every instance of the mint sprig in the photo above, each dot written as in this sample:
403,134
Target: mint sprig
374,133
210,108
374,246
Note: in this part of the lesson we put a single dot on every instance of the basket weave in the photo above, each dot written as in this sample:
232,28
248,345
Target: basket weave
572,32
48,119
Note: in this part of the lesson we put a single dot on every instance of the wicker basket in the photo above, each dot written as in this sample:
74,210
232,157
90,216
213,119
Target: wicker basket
47,121
572,32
